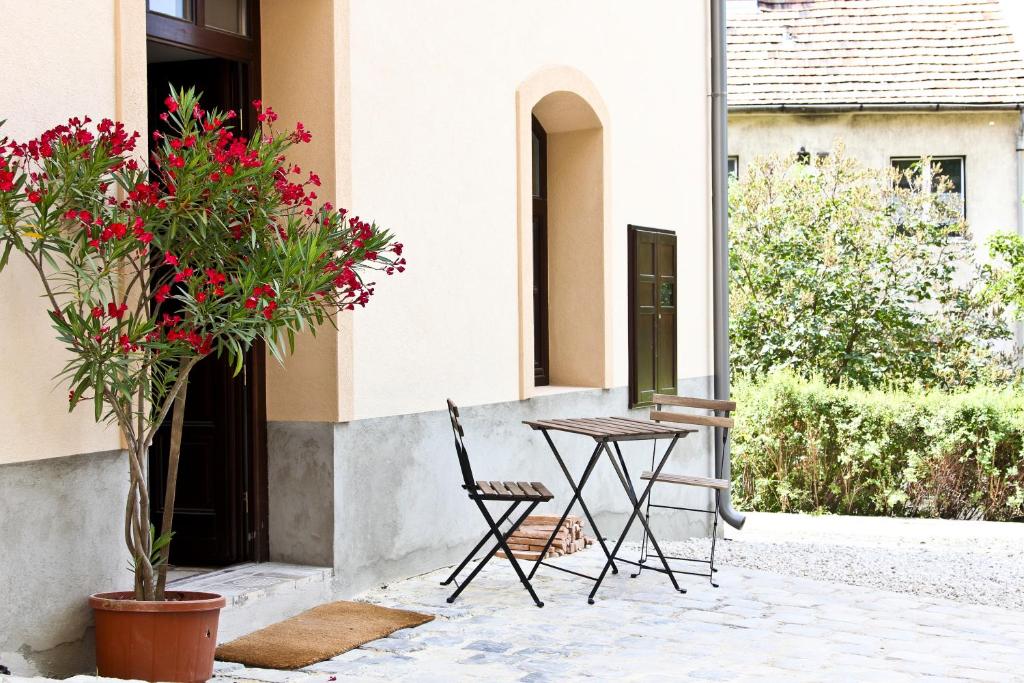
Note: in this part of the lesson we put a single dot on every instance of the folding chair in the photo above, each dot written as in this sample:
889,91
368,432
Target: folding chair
718,422
531,493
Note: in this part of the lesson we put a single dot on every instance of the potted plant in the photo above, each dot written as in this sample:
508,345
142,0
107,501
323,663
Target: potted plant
219,243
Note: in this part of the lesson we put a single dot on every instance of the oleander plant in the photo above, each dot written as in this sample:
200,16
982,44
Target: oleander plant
147,268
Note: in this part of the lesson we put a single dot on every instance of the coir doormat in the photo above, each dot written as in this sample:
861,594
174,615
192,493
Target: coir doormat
318,634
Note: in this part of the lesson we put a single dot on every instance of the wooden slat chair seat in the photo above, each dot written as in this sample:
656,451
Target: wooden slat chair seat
718,421
528,493
688,480
513,490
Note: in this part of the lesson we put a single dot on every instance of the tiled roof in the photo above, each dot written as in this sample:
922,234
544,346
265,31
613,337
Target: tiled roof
821,53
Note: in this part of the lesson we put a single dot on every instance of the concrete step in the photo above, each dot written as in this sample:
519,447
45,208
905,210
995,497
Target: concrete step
261,594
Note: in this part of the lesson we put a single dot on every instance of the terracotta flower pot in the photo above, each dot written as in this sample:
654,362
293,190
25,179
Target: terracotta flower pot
172,640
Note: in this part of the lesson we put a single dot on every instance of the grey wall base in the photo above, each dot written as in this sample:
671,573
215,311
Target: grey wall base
61,539
380,499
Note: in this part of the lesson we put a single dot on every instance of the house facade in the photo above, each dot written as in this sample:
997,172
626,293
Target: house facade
510,146
893,81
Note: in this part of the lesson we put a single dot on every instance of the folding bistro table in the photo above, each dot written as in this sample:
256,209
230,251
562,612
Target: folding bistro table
605,431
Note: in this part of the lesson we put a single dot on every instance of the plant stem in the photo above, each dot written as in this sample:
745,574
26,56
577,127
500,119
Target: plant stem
177,423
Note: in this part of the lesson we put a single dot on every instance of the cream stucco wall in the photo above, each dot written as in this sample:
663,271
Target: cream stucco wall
418,130
576,263
314,384
987,139
61,58
434,157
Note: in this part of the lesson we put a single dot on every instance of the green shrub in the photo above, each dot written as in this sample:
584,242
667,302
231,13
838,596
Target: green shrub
805,446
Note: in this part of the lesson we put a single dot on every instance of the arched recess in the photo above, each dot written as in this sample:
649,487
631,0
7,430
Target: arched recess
575,120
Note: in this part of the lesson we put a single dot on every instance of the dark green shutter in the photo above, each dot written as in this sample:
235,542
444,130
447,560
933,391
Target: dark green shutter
652,314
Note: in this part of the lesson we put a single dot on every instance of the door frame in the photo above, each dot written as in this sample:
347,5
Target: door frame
541,329
631,250
194,36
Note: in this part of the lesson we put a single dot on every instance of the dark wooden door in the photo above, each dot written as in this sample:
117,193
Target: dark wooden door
541,369
652,314
220,507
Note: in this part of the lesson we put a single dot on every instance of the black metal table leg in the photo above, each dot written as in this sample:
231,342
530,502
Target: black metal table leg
631,492
577,491
637,505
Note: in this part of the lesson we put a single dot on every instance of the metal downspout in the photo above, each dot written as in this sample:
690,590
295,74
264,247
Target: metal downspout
1018,331
720,240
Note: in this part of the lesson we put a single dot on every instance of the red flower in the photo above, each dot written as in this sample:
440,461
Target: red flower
142,235
250,303
268,114
97,311
171,104
35,197
183,275
200,297
162,293
300,134
268,310
116,311
170,259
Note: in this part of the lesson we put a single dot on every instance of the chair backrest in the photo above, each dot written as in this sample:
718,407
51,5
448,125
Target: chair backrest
460,446
722,421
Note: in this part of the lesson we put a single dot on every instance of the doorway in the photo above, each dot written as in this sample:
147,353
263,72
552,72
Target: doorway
652,314
221,502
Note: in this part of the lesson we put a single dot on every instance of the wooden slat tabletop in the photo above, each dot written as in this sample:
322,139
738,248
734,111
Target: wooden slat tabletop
611,428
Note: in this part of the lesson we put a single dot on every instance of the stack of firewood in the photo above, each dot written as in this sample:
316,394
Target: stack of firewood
529,539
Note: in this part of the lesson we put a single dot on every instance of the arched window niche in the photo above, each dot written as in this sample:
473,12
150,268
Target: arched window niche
564,239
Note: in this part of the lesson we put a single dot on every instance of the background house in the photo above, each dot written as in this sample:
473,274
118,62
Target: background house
895,81
509,145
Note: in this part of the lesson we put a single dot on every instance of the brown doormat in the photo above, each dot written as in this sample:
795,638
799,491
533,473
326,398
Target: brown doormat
318,634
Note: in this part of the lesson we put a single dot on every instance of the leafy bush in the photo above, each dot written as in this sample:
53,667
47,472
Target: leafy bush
856,275
806,446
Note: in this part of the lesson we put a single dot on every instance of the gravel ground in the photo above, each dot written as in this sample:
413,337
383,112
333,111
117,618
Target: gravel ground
970,562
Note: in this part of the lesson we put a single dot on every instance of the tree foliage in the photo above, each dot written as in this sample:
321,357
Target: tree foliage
838,272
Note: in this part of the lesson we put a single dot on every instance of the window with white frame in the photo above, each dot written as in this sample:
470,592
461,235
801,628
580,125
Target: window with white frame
914,172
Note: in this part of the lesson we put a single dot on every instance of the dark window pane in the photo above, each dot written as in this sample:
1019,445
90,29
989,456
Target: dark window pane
953,169
909,169
734,167
228,15
665,294
182,9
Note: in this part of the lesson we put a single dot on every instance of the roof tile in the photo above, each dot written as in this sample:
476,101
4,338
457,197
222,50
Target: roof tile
864,52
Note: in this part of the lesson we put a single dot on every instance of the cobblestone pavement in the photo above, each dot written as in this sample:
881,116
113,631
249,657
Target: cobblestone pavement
757,626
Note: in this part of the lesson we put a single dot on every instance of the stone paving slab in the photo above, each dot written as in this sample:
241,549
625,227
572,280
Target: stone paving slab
758,626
